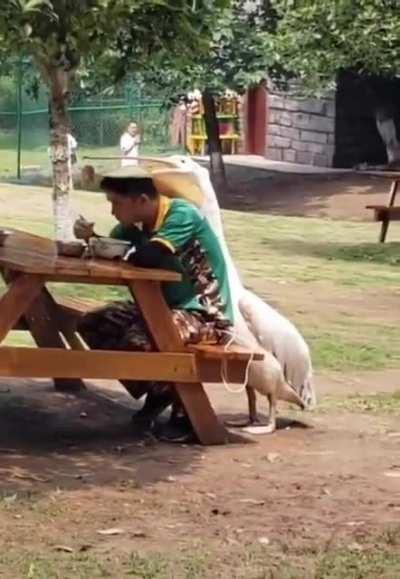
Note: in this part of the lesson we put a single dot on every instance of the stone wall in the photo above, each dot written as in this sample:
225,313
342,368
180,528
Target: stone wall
300,130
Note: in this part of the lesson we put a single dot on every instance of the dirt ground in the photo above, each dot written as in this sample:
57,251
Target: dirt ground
328,479
70,467
333,196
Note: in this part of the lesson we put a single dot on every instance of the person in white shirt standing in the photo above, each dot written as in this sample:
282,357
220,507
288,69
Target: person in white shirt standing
129,144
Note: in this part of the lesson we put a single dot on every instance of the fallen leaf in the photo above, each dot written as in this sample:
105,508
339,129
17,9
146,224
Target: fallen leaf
327,492
63,548
355,547
138,534
273,456
263,540
355,523
112,531
252,502
170,479
32,477
83,415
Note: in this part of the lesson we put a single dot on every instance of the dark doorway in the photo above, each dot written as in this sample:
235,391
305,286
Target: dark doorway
357,100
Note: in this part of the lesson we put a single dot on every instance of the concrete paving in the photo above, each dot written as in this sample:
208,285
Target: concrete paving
258,162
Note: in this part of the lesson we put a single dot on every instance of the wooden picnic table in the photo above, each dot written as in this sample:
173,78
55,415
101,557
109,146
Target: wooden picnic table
28,263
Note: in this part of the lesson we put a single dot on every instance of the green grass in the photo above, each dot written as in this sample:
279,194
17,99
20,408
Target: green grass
314,255
297,249
377,404
245,562
35,156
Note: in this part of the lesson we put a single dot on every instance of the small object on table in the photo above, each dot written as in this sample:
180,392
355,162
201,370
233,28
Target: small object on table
70,248
108,248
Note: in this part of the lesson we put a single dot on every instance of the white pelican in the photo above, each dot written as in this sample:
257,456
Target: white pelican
256,324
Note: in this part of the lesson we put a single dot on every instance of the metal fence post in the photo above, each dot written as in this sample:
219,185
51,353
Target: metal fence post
19,117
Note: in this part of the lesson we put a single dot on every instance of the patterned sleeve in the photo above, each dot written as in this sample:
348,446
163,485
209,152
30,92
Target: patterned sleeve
178,228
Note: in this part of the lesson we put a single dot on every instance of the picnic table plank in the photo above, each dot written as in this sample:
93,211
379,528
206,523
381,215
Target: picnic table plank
78,268
18,296
97,364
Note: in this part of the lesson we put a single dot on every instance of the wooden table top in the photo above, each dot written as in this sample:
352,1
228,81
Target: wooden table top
27,253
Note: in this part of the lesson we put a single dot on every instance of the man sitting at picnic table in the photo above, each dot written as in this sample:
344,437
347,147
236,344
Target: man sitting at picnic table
168,234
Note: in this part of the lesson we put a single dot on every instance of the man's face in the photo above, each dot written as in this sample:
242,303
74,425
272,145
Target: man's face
128,210
132,129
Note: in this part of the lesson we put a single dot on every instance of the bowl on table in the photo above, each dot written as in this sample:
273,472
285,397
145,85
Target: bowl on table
70,248
108,248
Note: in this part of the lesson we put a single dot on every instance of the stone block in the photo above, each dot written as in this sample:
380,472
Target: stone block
276,102
290,133
316,148
304,158
331,109
274,129
312,106
300,146
331,139
330,150
286,119
293,105
313,123
273,117
276,117
276,141
321,161
313,137
274,154
289,156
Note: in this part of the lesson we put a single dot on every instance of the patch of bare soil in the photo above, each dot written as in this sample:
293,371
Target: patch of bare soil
336,196
331,478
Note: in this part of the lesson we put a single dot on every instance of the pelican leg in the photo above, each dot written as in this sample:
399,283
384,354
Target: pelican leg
253,420
268,428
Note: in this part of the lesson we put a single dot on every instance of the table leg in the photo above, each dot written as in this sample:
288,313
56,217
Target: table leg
384,230
19,295
45,327
158,318
385,222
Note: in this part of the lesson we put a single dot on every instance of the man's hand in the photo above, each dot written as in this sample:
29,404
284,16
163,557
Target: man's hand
84,229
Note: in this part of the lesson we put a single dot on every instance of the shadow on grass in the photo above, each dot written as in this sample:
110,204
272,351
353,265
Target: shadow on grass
377,253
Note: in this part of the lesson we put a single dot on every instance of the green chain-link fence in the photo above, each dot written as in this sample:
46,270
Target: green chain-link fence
96,122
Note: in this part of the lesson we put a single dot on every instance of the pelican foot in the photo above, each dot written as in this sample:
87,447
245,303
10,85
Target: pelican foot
259,429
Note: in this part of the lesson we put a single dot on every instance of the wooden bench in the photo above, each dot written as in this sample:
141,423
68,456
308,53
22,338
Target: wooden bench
210,355
387,213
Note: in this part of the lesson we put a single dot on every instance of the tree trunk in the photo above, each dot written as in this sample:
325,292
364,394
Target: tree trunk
59,81
217,166
387,130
